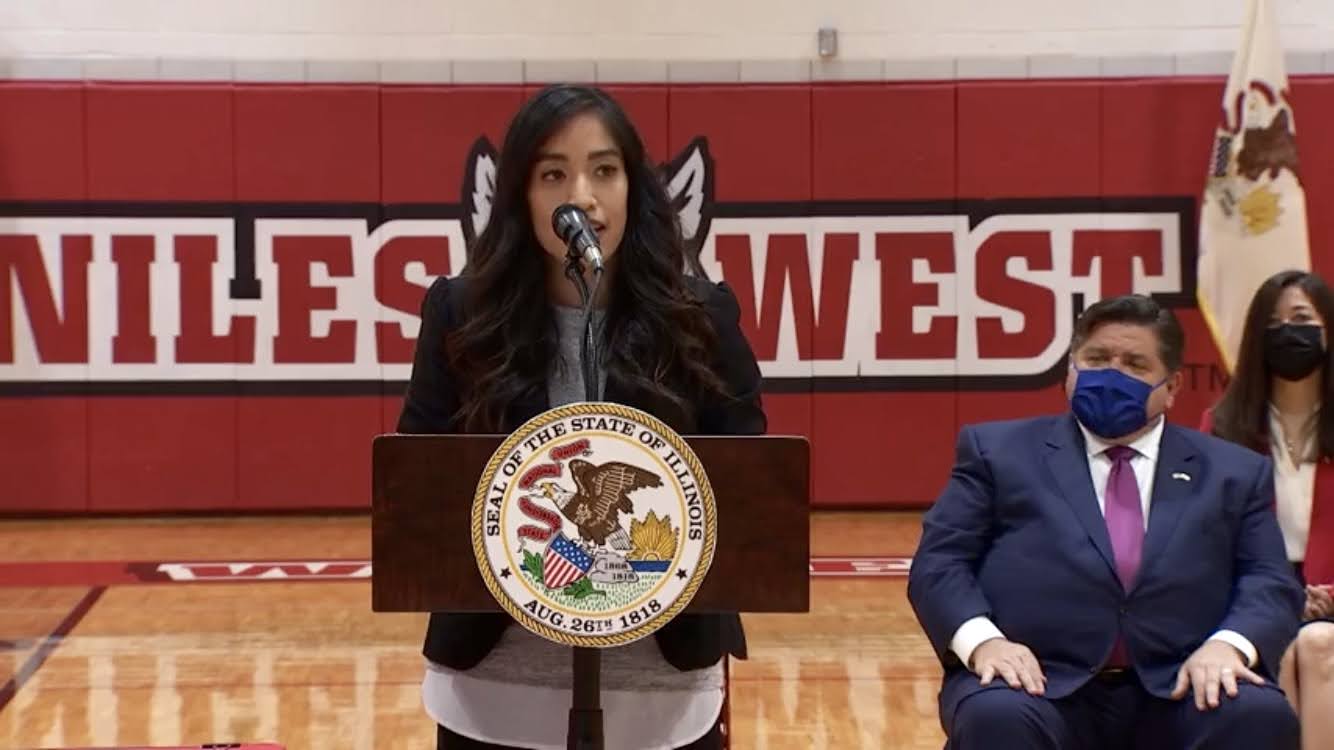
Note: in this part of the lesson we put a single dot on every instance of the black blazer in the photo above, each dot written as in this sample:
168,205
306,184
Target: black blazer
462,640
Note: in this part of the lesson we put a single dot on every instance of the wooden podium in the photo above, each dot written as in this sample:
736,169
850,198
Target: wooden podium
423,488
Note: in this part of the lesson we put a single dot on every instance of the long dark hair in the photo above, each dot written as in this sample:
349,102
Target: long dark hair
1242,416
659,339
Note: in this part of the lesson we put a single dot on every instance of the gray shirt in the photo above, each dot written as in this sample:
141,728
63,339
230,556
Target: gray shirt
565,383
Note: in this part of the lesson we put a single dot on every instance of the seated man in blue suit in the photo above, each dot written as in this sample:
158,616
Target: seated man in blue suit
1104,579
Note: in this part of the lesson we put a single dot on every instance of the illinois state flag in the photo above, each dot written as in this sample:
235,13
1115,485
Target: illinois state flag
1253,219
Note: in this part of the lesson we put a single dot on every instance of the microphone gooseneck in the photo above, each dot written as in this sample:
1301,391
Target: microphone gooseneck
576,231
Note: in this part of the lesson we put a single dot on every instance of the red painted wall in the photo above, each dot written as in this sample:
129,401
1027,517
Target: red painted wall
72,152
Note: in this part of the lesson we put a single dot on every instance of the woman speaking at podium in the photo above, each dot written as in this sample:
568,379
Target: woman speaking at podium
500,343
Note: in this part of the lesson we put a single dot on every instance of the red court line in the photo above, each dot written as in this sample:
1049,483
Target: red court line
40,574
110,573
48,644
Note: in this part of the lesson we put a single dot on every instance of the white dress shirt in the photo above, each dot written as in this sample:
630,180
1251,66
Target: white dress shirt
1294,486
979,629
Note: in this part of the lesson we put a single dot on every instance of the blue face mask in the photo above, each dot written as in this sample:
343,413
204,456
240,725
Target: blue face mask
1110,403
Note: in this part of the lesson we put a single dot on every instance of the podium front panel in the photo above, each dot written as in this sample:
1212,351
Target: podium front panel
423,488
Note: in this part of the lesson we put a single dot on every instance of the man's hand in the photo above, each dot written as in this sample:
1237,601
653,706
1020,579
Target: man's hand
1319,603
1213,663
1012,661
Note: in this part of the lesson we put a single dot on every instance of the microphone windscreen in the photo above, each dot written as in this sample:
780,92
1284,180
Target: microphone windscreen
567,220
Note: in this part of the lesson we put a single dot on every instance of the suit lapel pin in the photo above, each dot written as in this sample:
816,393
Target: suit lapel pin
1183,476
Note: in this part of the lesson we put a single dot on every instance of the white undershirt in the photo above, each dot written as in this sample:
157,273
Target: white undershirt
537,716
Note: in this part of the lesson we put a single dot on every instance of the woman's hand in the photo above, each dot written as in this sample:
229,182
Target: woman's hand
1319,603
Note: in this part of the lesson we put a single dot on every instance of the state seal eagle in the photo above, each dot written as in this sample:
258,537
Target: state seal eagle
602,494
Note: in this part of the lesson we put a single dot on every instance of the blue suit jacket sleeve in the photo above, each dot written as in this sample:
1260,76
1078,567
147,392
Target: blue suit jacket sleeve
1266,599
956,532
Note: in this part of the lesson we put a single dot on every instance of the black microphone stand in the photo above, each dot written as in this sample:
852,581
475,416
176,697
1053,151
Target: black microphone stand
584,731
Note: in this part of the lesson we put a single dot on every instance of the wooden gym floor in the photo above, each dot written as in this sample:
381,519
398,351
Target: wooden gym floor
94,651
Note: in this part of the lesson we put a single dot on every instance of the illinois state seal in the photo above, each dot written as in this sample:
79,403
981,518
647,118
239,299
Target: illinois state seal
593,524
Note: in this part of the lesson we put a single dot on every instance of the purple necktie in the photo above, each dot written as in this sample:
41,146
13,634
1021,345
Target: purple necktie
1125,525
1124,514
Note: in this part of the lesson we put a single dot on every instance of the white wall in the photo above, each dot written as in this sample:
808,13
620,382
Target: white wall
637,39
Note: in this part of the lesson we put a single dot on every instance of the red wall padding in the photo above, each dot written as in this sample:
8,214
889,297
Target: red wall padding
938,143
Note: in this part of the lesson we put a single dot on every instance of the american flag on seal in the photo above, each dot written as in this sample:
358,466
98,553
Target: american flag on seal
564,562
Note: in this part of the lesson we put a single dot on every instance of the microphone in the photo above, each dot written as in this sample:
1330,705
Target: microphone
576,231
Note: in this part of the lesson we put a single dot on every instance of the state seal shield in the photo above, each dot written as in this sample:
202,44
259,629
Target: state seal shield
593,524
